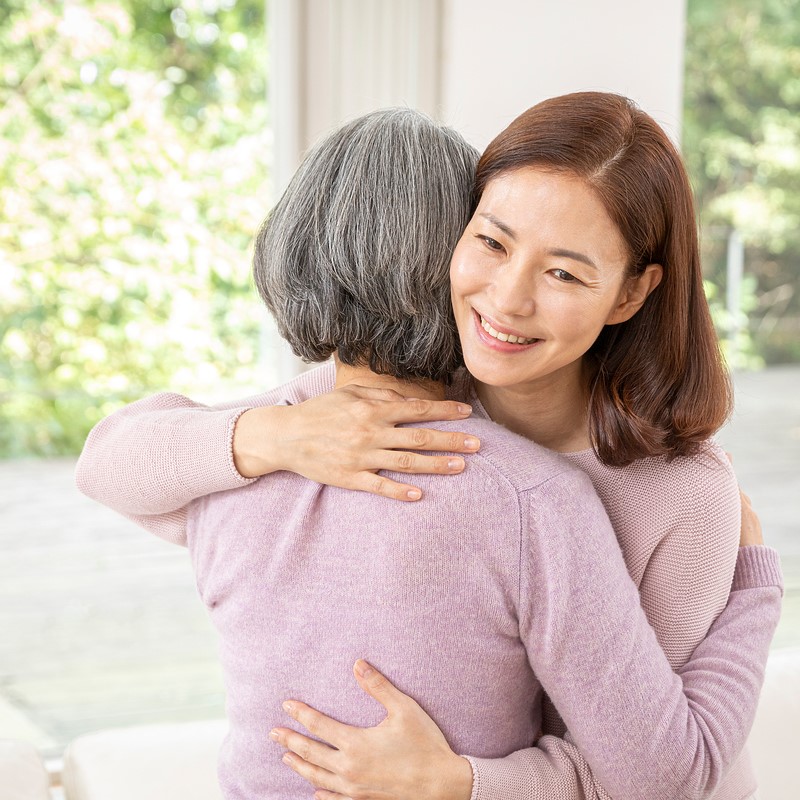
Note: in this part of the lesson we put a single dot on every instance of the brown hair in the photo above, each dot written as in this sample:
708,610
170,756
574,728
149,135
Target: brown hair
657,382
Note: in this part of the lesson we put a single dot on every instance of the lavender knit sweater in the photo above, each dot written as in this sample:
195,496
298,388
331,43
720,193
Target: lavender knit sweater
526,590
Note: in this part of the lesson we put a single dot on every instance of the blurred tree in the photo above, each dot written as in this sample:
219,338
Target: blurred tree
742,144
133,152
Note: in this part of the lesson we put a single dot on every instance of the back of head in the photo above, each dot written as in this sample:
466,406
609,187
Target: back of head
657,381
354,258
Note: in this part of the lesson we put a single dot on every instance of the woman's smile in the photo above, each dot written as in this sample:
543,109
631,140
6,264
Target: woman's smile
502,338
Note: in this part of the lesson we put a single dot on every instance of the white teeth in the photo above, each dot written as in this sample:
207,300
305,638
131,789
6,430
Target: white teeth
504,337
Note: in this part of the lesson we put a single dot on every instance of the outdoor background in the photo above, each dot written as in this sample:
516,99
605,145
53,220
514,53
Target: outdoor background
134,152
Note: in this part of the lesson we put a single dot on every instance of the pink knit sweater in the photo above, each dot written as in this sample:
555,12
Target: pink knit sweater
641,737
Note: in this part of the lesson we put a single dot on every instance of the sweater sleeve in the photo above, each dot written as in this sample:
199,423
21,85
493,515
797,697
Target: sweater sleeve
637,729
687,579
149,460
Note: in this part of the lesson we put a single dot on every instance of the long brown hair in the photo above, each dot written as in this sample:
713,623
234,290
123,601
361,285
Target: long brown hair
657,382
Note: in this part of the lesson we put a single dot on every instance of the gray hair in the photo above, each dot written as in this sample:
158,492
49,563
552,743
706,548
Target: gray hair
354,258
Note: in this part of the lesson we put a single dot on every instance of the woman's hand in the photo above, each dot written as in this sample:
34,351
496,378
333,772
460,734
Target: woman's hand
750,532
344,437
404,758
751,525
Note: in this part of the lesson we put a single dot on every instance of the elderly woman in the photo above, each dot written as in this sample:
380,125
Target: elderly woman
510,570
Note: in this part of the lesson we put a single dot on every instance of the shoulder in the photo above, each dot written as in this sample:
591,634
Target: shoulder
699,477
703,478
518,462
692,498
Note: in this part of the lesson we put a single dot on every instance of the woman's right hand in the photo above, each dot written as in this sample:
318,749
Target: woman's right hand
750,531
751,525
344,437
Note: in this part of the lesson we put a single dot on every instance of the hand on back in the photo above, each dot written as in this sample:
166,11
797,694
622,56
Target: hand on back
345,437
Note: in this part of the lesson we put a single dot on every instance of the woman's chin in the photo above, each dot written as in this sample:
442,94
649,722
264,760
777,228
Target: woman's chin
490,374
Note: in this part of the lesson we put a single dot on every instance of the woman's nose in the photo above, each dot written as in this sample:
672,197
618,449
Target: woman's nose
513,291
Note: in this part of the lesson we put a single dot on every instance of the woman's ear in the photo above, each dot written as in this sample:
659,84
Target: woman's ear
634,293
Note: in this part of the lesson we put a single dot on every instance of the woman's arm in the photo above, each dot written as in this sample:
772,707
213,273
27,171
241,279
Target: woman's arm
686,746
686,580
672,641
149,460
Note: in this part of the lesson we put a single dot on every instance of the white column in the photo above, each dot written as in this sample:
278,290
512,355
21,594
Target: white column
331,60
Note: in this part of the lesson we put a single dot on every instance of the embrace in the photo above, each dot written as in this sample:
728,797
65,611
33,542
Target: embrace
571,599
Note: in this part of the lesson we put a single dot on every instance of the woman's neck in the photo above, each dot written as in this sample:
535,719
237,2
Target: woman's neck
551,411
422,389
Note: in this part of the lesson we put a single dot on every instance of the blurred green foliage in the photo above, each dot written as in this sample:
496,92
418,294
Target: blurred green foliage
741,138
133,152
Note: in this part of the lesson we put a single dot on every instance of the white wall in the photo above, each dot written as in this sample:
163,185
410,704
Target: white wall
503,56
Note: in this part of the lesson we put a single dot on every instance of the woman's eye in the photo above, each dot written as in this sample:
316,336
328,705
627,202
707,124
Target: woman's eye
492,244
565,276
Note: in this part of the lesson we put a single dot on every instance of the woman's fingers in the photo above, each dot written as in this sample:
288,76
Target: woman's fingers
751,533
345,438
429,439
317,723
309,750
324,794
378,686
385,487
429,410
318,777
394,408
404,461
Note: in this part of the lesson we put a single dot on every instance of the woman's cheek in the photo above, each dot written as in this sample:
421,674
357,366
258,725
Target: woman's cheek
467,275
459,280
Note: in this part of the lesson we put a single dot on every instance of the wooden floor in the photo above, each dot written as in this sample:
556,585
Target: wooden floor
100,625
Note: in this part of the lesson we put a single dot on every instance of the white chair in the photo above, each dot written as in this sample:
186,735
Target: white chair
22,772
148,762
775,739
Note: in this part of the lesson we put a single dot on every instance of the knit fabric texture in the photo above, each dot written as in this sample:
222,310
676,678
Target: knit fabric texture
470,613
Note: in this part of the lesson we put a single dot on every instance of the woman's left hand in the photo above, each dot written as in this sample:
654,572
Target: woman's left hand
404,758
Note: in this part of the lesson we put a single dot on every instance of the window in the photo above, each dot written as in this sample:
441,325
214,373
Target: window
134,146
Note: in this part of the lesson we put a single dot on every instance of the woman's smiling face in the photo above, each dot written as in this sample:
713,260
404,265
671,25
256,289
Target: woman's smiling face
538,272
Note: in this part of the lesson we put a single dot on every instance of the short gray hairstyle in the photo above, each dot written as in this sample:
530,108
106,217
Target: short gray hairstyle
354,258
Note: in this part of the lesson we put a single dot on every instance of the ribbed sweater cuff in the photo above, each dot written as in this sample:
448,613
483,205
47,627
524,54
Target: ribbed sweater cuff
207,463
757,566
476,779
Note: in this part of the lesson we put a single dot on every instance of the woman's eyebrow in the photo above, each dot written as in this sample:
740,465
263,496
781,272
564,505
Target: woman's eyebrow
574,256
498,224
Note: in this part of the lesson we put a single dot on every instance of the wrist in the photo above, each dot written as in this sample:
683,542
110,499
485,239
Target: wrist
255,442
455,780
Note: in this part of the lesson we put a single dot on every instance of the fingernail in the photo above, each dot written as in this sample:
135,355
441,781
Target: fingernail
471,444
455,463
287,759
462,409
364,669
413,494
288,707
